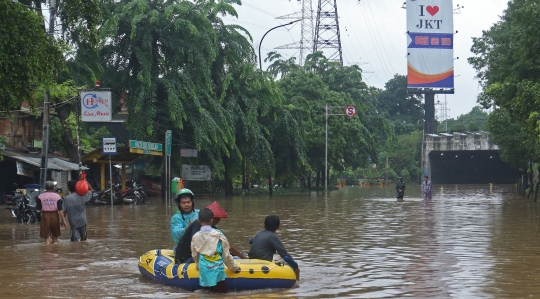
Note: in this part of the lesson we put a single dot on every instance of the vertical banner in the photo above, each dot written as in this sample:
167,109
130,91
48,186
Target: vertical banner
430,44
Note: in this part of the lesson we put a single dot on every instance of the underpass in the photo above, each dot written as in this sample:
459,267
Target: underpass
465,158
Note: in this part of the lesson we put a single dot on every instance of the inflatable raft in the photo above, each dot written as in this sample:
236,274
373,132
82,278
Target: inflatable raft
256,274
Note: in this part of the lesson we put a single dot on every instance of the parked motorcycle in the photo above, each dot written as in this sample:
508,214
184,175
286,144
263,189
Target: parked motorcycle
135,195
24,209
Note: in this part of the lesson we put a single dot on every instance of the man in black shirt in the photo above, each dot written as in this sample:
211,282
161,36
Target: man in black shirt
266,243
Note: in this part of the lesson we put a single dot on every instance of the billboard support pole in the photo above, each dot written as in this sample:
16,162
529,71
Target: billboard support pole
429,107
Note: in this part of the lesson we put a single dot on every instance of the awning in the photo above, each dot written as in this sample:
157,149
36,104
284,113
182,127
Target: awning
123,156
35,160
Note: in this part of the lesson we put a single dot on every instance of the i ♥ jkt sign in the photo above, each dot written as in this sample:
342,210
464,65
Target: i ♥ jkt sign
430,45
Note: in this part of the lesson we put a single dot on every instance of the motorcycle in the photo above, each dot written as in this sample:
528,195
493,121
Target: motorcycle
25,208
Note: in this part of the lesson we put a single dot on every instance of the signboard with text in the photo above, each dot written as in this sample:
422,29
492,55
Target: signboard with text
196,172
430,44
109,146
96,106
146,147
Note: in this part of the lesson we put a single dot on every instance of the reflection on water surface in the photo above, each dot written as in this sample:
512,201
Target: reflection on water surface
468,241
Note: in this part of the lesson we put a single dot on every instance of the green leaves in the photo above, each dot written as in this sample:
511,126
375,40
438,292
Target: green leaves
26,55
508,63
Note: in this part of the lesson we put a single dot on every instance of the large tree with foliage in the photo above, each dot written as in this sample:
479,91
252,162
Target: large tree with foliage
403,109
34,61
27,56
314,86
508,66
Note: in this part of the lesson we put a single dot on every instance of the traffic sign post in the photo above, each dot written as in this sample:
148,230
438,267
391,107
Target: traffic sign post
350,111
109,148
168,145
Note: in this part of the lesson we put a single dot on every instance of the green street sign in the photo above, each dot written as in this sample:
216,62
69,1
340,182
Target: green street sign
146,146
168,142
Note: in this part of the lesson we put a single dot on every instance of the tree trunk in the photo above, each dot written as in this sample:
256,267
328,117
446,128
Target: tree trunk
270,187
228,185
531,179
318,178
248,174
309,181
244,175
69,145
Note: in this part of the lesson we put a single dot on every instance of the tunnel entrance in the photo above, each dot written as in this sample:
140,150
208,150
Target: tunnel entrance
470,167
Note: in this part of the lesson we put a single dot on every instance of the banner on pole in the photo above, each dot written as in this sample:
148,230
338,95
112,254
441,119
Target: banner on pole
430,44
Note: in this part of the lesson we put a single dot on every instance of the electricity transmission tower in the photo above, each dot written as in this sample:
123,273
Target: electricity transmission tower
327,36
306,39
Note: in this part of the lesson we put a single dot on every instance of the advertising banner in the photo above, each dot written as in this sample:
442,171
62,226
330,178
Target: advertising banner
430,44
96,106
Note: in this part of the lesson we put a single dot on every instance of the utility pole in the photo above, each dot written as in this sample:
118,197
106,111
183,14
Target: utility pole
327,36
306,35
46,106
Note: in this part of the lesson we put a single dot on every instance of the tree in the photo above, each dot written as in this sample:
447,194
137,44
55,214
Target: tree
26,55
317,84
397,105
507,63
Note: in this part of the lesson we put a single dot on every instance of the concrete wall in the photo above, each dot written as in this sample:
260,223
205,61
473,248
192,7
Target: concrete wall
463,144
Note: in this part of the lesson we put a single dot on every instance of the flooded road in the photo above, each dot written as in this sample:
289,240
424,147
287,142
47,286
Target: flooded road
469,241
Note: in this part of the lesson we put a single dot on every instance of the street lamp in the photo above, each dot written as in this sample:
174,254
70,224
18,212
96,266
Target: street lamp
260,61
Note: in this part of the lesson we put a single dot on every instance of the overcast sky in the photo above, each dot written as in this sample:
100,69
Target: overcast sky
373,36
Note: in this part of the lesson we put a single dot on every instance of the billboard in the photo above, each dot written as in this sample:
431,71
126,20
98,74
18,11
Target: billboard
430,44
96,106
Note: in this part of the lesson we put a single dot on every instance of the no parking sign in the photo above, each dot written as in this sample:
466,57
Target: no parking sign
350,111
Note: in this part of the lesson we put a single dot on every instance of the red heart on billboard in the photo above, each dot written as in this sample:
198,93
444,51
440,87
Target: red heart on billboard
433,10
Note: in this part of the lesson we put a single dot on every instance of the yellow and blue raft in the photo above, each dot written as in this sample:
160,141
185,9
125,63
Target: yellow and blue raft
159,265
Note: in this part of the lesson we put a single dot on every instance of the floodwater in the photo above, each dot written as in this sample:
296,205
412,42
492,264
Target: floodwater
469,241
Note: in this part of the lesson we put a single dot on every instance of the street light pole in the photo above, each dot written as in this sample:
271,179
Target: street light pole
46,108
260,43
326,152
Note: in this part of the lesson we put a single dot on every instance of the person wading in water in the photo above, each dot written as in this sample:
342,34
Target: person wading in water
400,188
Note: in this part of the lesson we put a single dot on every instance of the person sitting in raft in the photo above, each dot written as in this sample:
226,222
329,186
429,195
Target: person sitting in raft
265,244
185,215
210,250
183,248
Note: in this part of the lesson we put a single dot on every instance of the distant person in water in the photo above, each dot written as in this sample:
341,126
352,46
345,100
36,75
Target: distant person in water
400,189
426,188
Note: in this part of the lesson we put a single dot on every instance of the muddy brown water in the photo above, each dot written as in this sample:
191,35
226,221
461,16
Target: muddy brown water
469,241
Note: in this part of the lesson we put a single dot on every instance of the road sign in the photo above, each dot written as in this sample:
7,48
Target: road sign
109,146
146,145
350,111
196,172
168,142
